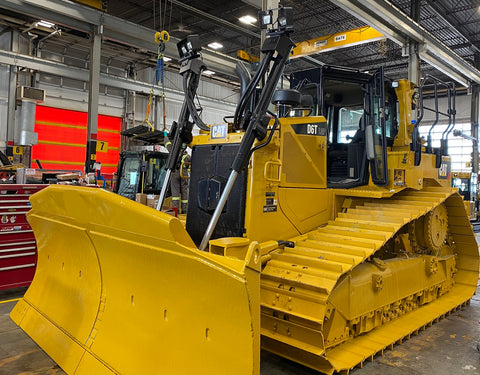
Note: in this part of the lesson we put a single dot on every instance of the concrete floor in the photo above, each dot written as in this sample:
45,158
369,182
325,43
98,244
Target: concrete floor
18,353
447,348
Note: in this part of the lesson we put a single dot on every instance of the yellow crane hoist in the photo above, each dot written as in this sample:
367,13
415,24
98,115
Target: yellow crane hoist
146,131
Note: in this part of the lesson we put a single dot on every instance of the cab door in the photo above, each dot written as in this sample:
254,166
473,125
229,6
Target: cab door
375,138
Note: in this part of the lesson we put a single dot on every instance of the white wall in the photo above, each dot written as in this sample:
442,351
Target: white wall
459,149
216,100
462,105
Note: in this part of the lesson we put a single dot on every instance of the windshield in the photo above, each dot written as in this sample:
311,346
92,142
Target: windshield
155,173
127,186
348,122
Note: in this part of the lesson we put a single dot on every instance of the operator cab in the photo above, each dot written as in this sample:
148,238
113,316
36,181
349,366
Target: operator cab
140,172
350,100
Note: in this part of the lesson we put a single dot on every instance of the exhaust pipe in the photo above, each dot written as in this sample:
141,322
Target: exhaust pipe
244,75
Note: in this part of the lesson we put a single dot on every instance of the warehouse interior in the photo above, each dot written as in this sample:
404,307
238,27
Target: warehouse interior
249,187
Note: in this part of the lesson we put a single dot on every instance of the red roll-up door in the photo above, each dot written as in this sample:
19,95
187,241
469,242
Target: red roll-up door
62,139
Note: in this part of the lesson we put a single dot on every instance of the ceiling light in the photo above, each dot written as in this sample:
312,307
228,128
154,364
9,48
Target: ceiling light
166,59
215,45
45,24
248,19
208,72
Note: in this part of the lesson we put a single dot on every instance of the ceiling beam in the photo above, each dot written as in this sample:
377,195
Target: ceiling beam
370,17
217,20
391,21
80,74
255,3
79,17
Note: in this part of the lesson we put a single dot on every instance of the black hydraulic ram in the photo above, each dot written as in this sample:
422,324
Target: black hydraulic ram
181,132
255,123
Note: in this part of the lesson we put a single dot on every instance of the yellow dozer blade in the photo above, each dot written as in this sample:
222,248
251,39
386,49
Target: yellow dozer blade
121,289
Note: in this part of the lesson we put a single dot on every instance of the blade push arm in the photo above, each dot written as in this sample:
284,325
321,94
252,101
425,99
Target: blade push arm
255,123
181,131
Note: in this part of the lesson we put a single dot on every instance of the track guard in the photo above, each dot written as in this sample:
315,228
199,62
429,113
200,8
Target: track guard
121,288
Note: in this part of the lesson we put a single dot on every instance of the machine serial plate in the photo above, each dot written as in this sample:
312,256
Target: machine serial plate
269,208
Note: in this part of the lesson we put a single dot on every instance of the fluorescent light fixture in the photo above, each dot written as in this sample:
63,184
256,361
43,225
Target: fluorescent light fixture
247,19
208,72
166,59
215,45
45,24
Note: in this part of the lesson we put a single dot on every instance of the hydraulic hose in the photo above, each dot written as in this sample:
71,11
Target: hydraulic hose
239,112
190,85
251,86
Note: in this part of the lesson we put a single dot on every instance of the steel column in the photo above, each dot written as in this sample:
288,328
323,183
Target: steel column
93,94
12,91
474,116
414,73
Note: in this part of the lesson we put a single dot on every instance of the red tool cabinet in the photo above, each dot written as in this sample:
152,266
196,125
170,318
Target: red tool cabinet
18,249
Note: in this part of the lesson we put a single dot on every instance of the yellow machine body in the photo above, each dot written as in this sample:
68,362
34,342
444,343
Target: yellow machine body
327,276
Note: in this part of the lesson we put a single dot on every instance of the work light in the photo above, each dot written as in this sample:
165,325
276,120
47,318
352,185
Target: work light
189,47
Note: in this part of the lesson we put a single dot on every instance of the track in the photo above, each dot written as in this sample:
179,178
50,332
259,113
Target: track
297,284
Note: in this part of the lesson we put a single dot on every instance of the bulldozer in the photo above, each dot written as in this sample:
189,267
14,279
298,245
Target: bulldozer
301,238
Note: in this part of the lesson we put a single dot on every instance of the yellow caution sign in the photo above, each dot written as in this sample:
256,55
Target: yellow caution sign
102,146
17,150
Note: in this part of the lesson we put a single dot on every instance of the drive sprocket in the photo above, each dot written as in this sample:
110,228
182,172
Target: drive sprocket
436,227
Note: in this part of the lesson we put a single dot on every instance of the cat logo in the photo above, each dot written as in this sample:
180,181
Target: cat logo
219,131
